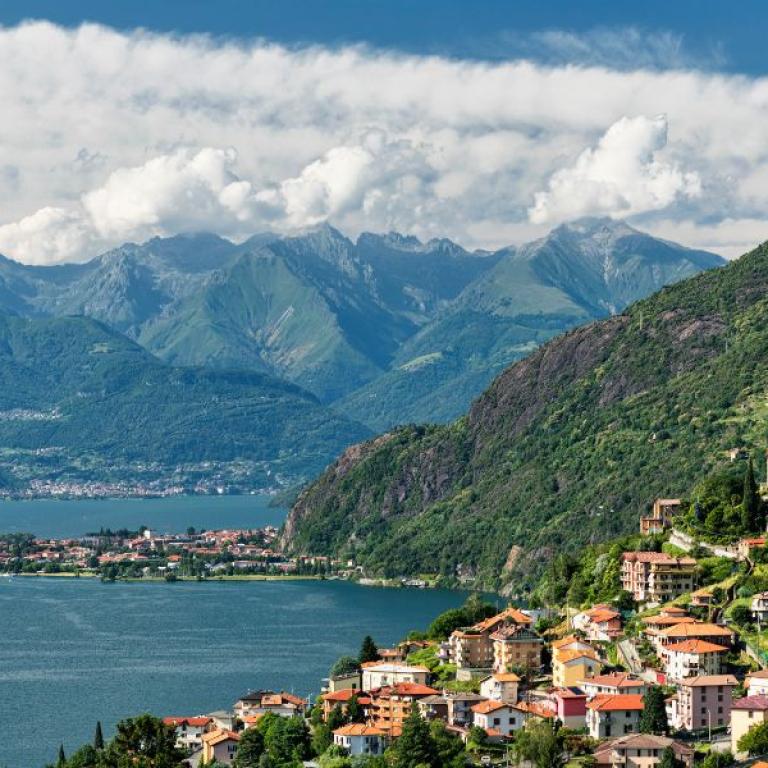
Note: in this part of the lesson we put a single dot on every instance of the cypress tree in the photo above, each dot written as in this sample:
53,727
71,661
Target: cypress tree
62,761
415,747
98,737
750,501
654,716
368,650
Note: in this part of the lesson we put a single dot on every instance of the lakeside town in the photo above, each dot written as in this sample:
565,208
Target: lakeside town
670,672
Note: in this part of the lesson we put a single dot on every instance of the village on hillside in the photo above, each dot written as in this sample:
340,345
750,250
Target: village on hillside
670,670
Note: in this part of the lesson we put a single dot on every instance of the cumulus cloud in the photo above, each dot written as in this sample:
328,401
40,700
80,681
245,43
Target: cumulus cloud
113,136
621,176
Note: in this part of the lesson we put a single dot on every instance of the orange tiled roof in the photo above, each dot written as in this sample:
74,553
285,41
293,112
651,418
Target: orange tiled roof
359,729
616,702
567,640
193,722
344,695
696,630
484,707
695,646
510,614
506,677
405,689
216,737
615,679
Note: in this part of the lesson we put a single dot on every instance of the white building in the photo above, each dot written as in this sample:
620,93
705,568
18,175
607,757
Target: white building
693,657
360,739
190,730
387,673
501,686
609,716
497,718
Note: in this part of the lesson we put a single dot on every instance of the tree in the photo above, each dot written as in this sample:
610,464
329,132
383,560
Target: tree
336,718
355,713
541,744
415,746
144,741
755,740
654,716
368,651
345,665
750,501
742,615
718,760
62,761
668,759
322,738
250,748
85,757
449,748
98,737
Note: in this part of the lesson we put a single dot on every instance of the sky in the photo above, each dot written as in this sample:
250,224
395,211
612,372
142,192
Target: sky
486,122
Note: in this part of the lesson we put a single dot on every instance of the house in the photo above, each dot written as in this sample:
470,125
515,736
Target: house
757,682
616,715
759,606
569,667
516,647
392,705
613,683
341,699
471,649
380,674
640,751
656,577
662,515
190,730
702,702
570,706
453,708
360,739
219,746
703,598
600,623
667,617
223,719
351,681
496,717
259,702
693,657
746,546
500,686
697,630
746,713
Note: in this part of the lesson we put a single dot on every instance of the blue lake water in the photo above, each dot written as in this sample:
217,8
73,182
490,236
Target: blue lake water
61,518
74,651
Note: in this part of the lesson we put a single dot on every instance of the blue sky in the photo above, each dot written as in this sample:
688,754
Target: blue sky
487,122
711,33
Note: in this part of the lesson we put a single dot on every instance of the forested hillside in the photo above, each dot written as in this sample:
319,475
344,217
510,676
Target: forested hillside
566,447
80,401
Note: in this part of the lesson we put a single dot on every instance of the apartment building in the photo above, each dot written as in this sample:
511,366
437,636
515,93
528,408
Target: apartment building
656,577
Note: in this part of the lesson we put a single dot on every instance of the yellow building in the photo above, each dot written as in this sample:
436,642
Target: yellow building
745,714
570,667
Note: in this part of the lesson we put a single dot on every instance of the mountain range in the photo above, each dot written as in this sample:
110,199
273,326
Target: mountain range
80,402
386,329
566,447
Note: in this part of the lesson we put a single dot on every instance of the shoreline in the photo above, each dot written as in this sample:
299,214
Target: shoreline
163,580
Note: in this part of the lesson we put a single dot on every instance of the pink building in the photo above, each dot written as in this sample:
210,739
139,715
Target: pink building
570,706
701,702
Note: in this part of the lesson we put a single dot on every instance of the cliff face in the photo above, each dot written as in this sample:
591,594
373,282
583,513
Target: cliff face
565,447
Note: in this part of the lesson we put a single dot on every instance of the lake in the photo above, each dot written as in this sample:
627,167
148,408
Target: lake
173,514
74,651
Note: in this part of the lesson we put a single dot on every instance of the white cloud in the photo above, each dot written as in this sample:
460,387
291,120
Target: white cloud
114,136
621,176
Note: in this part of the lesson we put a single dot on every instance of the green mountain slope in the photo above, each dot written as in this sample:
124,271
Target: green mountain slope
580,272
77,389
567,446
